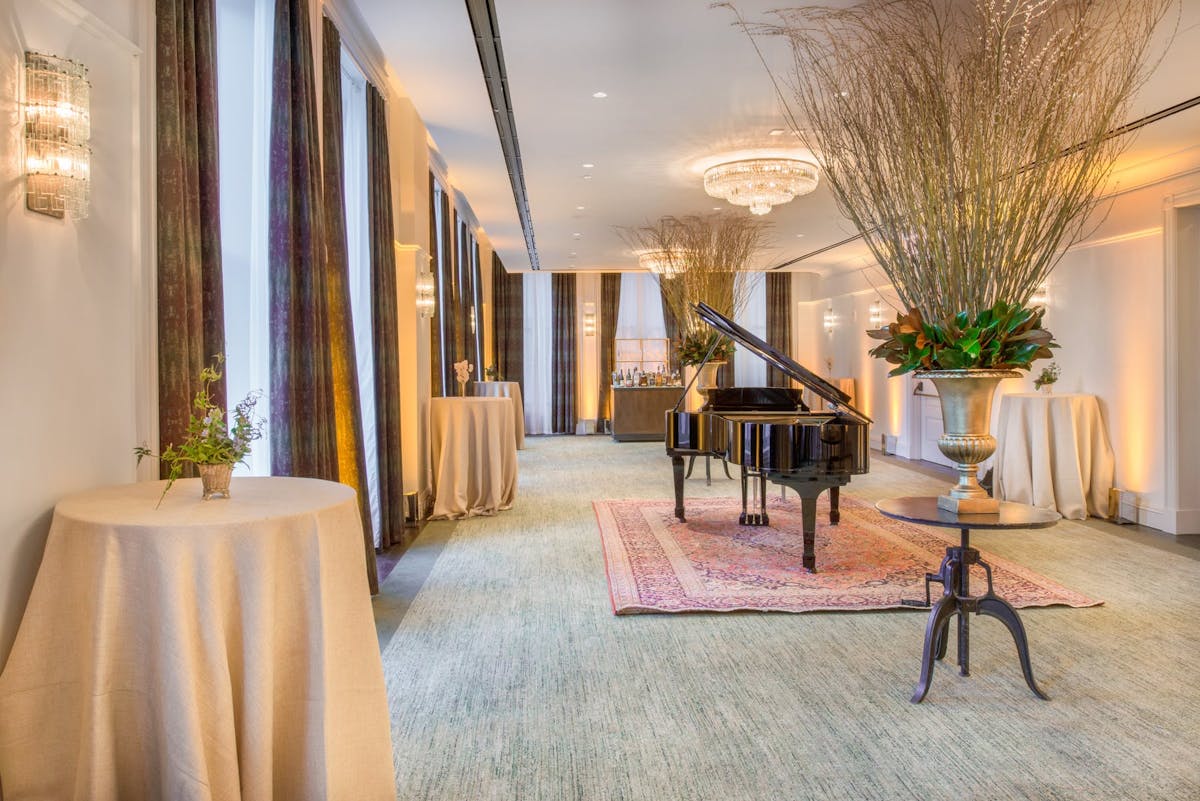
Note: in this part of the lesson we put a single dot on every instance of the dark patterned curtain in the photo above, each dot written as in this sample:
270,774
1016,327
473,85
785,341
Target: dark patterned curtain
385,324
562,366
436,254
191,320
458,306
508,321
610,303
477,304
351,454
303,429
779,322
443,319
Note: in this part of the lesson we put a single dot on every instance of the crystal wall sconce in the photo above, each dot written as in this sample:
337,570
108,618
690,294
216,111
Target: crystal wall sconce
1040,296
830,320
877,313
589,319
57,126
426,305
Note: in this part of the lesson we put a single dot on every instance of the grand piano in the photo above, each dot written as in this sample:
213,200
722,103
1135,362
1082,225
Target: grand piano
773,436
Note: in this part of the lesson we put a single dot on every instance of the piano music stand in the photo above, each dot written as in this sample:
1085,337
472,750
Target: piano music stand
954,576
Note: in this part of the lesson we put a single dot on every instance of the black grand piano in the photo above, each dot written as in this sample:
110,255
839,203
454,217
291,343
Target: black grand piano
773,436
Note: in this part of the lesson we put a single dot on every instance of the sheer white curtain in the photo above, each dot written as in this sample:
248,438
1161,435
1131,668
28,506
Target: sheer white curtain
639,315
358,251
538,384
244,37
748,369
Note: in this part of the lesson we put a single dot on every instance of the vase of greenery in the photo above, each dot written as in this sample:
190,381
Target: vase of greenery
1045,380
692,350
969,144
215,442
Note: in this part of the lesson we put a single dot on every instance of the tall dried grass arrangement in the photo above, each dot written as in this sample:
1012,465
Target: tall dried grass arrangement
966,138
706,253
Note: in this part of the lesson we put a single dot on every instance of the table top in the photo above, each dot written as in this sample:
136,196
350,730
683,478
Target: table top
924,510
253,498
463,400
1047,396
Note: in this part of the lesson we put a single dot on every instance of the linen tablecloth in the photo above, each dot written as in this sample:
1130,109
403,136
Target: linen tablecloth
1053,452
474,456
505,389
206,650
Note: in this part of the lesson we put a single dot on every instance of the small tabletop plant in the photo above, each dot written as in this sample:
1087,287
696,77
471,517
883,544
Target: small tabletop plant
210,440
1047,377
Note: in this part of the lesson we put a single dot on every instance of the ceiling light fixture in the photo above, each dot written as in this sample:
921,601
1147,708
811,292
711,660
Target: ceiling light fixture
587,165
599,95
661,262
760,183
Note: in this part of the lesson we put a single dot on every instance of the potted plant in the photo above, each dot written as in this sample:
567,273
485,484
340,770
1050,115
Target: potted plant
698,258
212,445
969,143
1046,378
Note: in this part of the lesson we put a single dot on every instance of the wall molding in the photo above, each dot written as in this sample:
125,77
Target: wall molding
84,19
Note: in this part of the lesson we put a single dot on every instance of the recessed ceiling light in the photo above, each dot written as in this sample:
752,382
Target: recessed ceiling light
576,235
587,165
571,254
716,208
777,132
799,236
580,208
587,177
599,95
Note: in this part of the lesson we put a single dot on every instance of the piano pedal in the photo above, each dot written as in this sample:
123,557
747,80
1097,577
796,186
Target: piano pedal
753,519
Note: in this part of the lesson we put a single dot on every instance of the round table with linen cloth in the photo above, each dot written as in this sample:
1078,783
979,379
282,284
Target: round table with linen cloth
202,650
505,389
1053,452
473,456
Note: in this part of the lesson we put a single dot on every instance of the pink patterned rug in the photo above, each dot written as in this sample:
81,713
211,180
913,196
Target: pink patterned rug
711,564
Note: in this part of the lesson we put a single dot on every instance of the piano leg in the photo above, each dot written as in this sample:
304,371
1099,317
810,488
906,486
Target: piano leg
835,514
677,470
808,515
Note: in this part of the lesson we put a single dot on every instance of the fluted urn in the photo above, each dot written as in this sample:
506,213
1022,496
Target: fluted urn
966,397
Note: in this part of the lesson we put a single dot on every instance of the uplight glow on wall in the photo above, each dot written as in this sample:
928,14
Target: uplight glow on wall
57,126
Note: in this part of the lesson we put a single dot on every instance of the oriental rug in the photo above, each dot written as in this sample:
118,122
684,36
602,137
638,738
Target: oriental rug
711,564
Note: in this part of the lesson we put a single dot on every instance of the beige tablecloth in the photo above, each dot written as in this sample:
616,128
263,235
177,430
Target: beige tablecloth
505,389
1053,452
206,650
474,459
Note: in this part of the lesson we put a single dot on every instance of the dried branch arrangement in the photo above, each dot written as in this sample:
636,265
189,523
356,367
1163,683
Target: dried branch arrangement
966,138
701,256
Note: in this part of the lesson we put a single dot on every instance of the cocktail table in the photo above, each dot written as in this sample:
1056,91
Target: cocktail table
954,576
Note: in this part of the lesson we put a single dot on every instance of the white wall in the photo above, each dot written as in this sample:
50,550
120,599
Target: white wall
72,309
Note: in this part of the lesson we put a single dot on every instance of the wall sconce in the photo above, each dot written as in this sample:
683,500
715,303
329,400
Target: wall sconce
877,314
589,319
471,318
1041,295
830,320
426,305
57,123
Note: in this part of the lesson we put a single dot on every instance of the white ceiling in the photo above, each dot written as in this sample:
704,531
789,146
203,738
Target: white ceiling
683,84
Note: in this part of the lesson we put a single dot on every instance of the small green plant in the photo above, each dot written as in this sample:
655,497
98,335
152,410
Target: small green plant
693,348
210,440
1004,337
1047,377
492,373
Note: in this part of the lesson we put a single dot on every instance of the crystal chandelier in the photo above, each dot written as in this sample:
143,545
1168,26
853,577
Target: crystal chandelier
661,262
57,128
760,183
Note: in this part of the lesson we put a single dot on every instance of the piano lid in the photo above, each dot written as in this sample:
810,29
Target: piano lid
771,355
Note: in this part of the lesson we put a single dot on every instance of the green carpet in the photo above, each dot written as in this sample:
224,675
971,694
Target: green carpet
510,678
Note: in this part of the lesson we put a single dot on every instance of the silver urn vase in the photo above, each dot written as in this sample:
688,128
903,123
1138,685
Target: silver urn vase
966,397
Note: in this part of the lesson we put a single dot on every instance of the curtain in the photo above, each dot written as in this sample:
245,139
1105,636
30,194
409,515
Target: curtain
671,327
302,415
435,270
610,302
640,313
477,305
350,453
385,325
536,327
748,369
779,322
191,320
507,321
458,294
563,349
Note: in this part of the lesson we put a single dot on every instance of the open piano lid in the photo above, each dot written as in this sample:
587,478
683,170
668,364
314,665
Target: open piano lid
837,399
